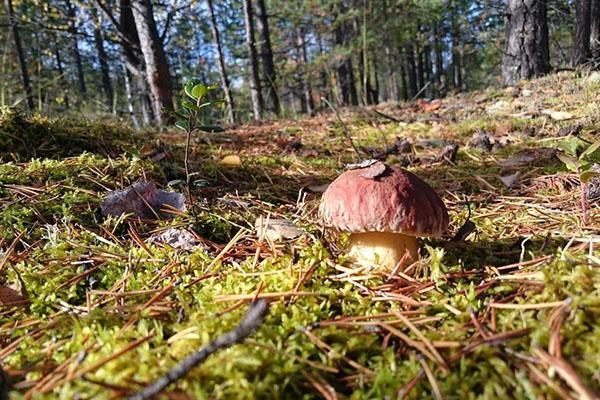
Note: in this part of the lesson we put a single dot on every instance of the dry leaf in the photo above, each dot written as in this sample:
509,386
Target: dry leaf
374,170
11,297
179,239
231,160
535,157
142,199
510,180
318,188
277,229
558,115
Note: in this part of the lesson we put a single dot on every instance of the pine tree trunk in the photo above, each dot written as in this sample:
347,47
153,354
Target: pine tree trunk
266,53
411,71
439,58
221,60
72,29
309,105
581,34
527,51
103,60
14,27
61,72
595,32
129,96
254,82
157,66
392,86
345,70
456,64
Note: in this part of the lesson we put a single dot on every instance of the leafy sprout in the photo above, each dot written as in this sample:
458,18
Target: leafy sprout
191,115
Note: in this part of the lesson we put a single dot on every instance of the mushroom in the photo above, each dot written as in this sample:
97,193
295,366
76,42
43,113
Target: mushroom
385,209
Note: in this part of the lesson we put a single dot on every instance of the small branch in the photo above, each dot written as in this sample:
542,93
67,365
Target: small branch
346,130
249,324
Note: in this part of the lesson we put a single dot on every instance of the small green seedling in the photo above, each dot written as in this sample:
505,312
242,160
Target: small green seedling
190,116
580,164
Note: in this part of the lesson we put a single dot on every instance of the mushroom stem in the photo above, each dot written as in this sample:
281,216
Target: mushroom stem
384,249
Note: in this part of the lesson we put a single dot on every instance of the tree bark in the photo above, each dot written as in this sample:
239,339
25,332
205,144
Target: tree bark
411,71
456,64
221,61
14,27
61,72
254,82
103,60
527,51
266,53
129,97
309,105
581,33
155,59
72,29
595,32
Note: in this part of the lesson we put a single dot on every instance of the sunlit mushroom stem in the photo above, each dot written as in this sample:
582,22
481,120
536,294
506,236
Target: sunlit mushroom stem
384,249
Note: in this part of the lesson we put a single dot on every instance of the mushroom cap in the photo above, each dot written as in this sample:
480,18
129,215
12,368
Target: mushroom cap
383,199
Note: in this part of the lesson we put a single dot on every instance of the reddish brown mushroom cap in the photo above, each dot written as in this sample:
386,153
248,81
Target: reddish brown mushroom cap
377,199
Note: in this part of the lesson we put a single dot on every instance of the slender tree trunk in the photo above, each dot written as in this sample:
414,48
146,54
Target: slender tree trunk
456,64
411,70
75,47
14,27
309,105
439,58
420,69
582,32
157,66
266,53
527,50
392,86
254,82
221,60
61,72
103,60
129,96
595,32
405,84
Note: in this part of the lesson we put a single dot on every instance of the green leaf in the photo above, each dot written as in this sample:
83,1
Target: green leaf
570,145
211,128
190,86
572,163
214,86
183,125
590,150
190,106
199,91
587,176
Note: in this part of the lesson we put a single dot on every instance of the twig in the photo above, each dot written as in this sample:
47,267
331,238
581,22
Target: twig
346,131
251,321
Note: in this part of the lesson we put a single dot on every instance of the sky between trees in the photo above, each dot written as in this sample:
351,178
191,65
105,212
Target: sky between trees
130,58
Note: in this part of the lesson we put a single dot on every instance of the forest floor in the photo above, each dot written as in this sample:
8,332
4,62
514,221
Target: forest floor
96,307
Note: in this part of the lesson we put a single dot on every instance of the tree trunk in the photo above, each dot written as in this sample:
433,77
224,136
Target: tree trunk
405,84
595,32
254,82
456,64
527,50
439,58
411,71
392,86
157,66
61,72
221,60
14,27
581,34
72,29
103,60
307,99
266,53
129,97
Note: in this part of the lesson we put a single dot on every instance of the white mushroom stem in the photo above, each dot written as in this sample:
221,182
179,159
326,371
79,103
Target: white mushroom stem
384,249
